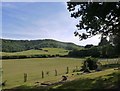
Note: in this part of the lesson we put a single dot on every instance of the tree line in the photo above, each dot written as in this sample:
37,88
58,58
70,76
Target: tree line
104,50
23,45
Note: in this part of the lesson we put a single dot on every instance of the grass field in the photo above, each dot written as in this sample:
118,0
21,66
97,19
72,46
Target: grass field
13,70
50,51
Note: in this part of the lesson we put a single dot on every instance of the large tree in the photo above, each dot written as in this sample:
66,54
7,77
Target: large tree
103,41
96,18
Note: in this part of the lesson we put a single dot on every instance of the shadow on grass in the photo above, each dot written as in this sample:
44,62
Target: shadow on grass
26,88
110,66
109,82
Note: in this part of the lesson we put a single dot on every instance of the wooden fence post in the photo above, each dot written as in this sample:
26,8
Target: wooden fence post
67,70
47,73
55,72
25,77
42,74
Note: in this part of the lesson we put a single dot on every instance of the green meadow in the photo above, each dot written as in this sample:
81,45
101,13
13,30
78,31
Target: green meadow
14,69
48,51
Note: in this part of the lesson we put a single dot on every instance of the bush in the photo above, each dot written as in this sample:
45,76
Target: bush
90,64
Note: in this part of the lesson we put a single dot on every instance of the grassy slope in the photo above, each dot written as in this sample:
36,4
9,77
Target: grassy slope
51,51
108,79
100,80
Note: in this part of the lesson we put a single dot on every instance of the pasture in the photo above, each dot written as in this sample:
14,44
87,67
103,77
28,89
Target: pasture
48,51
14,69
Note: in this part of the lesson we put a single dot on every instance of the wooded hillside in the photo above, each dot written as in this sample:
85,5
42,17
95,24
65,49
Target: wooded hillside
22,45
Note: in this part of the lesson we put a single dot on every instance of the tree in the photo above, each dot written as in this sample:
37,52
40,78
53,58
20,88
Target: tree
88,46
96,18
106,48
93,52
103,41
103,46
116,42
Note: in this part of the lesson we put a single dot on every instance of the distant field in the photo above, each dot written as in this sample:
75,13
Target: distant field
13,70
50,51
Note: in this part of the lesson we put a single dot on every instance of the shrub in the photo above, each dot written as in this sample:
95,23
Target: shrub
90,64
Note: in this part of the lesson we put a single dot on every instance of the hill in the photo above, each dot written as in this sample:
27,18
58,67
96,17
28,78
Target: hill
23,45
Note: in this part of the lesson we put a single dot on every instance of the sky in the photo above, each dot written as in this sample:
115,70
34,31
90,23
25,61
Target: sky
40,20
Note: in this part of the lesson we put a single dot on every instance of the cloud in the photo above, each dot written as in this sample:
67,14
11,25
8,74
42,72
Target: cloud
53,25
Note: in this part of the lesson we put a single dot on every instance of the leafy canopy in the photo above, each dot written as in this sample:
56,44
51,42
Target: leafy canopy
96,18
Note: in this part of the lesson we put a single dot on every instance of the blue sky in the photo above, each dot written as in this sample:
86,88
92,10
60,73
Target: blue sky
40,20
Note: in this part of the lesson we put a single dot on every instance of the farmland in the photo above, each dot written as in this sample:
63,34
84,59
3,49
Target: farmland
50,51
48,69
41,53
13,70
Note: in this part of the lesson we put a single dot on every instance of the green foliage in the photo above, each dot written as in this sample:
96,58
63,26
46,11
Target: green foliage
92,20
107,51
23,45
116,42
94,52
103,41
90,64
88,46
103,51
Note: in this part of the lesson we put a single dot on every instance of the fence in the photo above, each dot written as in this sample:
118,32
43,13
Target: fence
46,74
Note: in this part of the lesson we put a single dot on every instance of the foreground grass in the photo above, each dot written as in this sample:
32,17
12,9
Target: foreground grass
108,81
85,82
14,69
